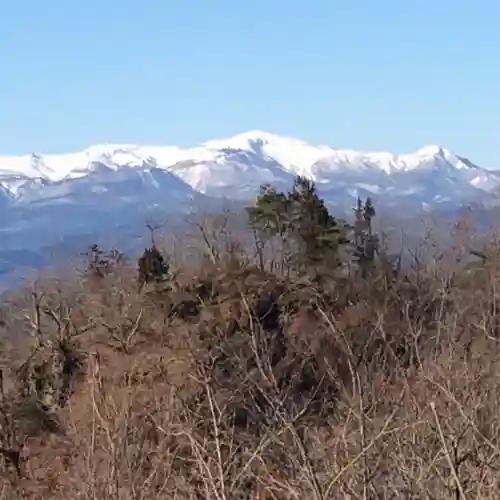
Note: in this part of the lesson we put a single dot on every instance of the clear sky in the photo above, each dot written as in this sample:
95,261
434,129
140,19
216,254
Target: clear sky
365,74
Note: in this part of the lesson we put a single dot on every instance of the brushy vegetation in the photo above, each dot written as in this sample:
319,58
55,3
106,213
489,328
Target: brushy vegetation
309,364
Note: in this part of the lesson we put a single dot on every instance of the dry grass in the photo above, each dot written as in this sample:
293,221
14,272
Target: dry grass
234,382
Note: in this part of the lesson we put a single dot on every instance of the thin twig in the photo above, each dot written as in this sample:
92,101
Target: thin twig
447,452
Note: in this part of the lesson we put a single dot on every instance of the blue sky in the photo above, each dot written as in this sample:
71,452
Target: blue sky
369,75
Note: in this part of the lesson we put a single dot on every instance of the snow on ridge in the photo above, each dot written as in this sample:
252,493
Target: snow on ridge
254,153
295,155
56,167
300,157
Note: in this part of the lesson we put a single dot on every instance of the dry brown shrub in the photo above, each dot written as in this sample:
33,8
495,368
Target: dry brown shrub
234,382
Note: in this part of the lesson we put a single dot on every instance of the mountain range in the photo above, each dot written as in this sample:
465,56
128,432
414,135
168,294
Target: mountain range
47,198
235,168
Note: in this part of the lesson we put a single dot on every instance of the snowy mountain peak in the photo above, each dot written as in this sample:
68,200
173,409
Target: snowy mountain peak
293,154
430,150
236,166
244,140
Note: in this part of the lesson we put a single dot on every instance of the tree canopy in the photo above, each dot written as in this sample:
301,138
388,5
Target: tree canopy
301,218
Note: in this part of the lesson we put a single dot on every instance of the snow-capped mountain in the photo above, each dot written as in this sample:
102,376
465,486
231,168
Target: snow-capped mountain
235,168
47,198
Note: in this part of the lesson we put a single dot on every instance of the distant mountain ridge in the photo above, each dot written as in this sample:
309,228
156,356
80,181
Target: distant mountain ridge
235,167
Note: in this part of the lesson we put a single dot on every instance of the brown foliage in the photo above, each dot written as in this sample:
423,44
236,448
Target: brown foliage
234,382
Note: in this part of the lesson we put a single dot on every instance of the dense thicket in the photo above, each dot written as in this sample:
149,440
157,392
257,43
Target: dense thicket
309,364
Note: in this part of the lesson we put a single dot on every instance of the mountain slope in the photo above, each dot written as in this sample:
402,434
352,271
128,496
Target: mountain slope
235,167
232,173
